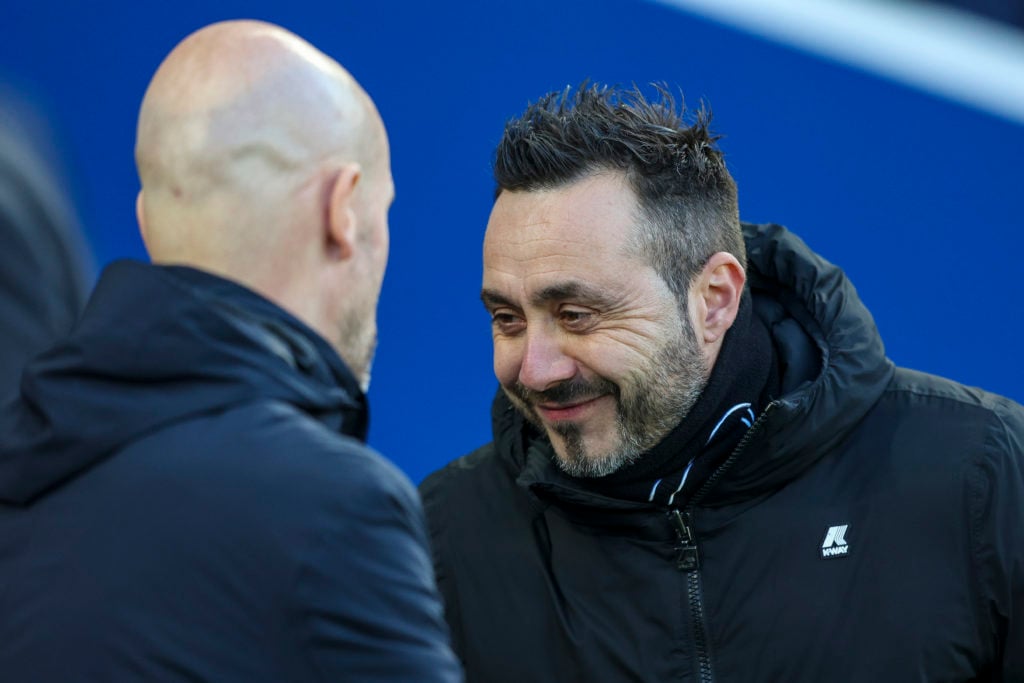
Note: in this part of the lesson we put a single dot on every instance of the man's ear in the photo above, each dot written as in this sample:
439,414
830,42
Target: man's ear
718,289
341,219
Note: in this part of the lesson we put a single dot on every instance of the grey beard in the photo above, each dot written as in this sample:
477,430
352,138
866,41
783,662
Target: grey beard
659,397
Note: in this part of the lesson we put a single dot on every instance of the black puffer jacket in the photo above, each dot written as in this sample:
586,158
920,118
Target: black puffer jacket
869,527
185,496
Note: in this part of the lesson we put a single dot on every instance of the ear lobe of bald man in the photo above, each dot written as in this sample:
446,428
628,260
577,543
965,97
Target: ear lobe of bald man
341,218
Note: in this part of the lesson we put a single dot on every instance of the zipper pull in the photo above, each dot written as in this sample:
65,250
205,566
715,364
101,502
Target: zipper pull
688,558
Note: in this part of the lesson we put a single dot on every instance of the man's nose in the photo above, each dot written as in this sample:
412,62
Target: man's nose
545,361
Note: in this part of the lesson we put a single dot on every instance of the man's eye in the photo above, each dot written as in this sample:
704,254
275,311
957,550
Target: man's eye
506,323
576,318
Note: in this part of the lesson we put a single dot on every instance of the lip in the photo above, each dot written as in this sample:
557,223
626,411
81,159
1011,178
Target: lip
562,413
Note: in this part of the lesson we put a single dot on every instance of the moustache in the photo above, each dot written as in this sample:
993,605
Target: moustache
567,392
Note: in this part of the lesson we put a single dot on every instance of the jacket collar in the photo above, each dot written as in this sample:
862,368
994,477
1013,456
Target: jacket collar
157,345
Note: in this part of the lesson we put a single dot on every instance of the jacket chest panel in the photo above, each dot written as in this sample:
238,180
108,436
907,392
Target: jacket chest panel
847,574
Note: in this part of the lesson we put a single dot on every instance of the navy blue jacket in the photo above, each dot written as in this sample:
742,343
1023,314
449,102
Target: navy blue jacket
185,496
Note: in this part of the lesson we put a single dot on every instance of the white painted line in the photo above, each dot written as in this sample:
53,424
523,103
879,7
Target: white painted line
938,49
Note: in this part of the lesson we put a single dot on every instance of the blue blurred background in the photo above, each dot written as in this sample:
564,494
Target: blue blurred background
916,194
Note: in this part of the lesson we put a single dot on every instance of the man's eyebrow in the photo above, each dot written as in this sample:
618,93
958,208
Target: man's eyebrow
493,299
573,290
569,290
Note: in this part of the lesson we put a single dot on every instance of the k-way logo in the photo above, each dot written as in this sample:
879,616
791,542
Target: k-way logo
835,544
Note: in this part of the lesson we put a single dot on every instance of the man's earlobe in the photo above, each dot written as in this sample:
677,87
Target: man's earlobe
341,218
723,282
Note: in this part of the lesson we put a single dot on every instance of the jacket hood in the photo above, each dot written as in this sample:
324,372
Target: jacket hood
832,366
157,345
831,358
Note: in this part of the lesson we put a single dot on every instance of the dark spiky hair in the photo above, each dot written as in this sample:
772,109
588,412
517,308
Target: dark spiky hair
685,193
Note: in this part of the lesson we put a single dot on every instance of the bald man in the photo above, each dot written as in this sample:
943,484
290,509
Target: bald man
184,490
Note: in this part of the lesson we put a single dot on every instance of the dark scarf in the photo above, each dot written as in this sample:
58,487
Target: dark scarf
742,382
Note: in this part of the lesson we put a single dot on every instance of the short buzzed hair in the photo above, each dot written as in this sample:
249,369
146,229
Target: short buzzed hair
687,198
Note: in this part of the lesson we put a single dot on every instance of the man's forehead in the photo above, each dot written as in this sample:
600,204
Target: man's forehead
561,243
541,223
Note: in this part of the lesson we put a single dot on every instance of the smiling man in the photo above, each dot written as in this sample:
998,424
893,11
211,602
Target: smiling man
704,467
585,328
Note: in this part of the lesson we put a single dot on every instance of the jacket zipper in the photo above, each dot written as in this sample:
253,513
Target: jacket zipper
688,559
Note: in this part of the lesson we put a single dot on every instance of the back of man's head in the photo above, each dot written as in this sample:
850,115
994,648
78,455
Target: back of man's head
262,160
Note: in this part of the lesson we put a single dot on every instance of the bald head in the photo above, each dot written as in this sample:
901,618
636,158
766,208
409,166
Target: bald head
263,161
235,128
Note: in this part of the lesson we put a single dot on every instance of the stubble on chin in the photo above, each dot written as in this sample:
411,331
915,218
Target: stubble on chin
571,453
357,346
576,460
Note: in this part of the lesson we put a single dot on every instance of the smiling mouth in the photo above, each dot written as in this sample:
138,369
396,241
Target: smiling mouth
572,411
